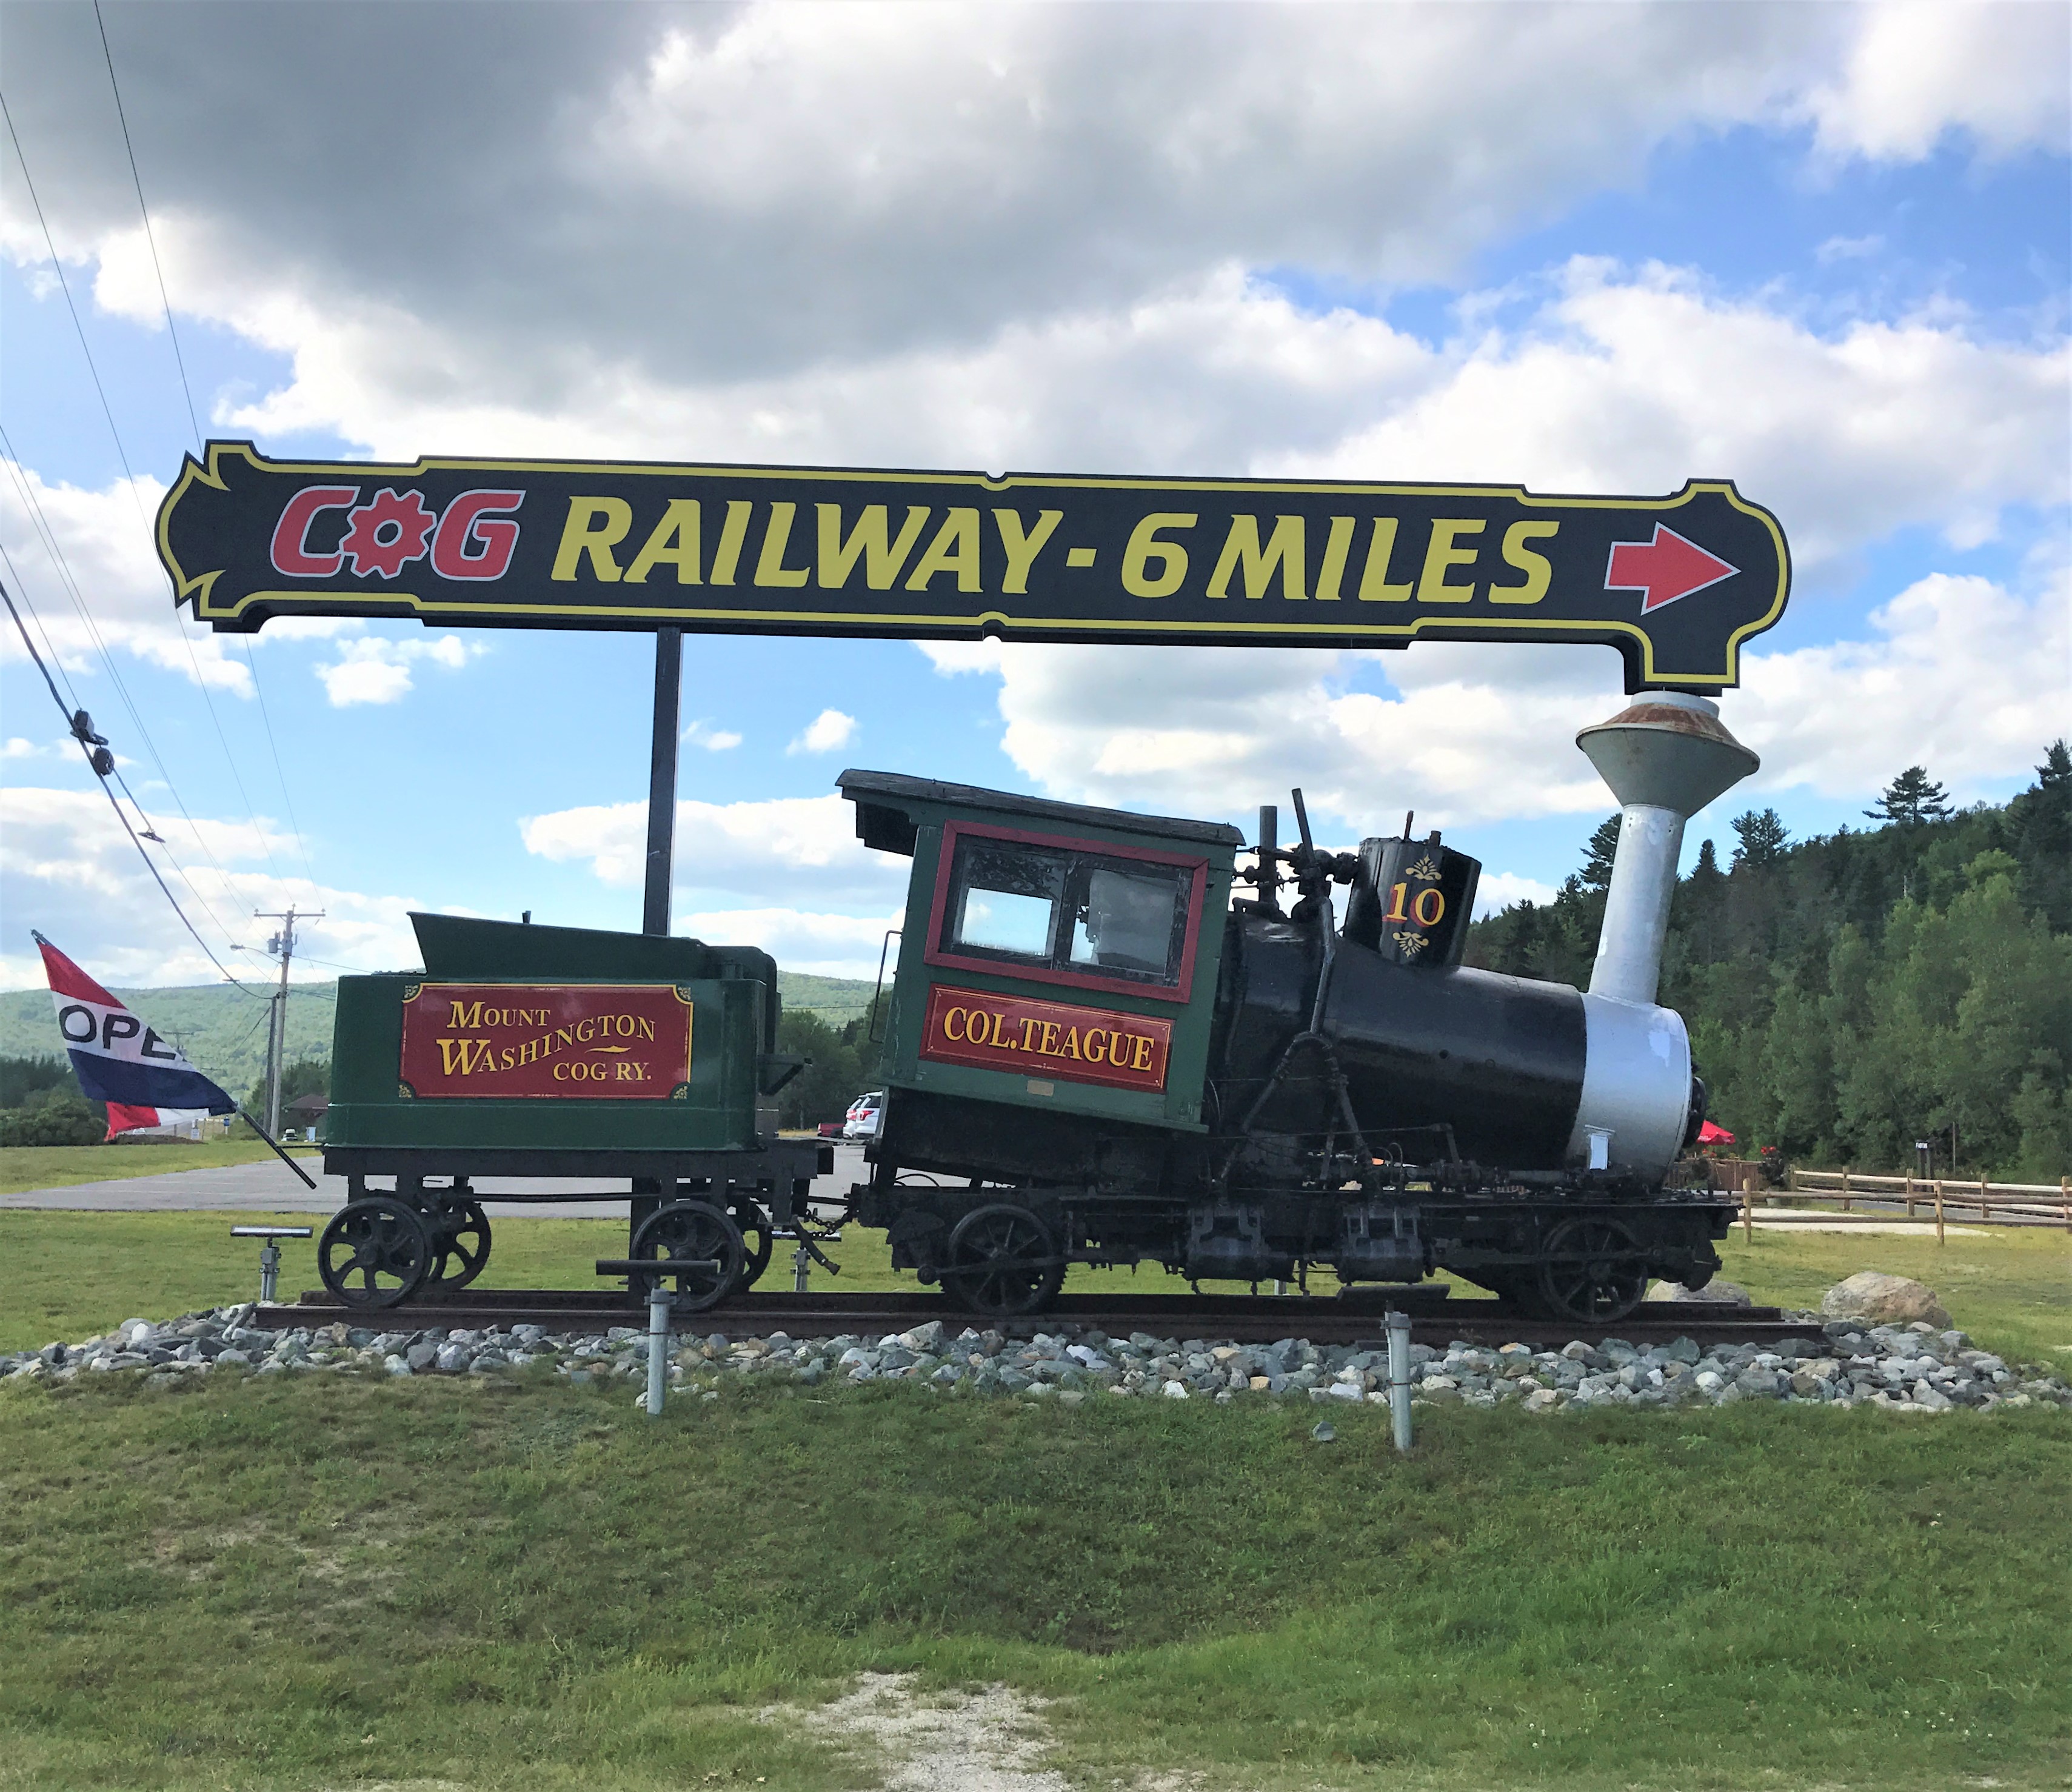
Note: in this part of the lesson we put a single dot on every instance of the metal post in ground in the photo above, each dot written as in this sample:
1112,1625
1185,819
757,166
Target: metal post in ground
801,1261
269,1256
658,1349
1399,1379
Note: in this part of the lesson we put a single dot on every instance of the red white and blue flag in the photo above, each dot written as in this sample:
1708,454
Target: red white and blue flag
120,1060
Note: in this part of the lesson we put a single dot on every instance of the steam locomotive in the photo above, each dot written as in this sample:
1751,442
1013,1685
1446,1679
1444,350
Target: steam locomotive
1094,1054
1097,1050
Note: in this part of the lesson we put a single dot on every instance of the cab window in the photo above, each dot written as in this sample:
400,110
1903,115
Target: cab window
1050,908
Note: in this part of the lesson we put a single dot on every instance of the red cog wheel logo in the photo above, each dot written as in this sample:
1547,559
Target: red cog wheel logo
386,535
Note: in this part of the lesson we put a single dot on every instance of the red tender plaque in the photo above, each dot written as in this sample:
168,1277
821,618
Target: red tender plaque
1045,1040
580,1041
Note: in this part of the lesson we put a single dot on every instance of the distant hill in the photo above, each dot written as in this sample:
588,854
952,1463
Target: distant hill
223,1031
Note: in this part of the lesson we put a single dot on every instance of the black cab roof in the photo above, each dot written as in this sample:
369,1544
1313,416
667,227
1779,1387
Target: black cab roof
885,801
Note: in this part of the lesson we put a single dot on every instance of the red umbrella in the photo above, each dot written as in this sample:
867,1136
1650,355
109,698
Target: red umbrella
1710,1134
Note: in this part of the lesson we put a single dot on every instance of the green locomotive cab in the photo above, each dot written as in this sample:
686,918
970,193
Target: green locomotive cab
558,1054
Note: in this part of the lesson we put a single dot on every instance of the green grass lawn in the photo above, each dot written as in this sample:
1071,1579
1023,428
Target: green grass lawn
323,1583
23,1167
2011,1288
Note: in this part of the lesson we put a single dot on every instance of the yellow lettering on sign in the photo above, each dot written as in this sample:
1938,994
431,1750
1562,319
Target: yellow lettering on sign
733,532
674,542
1537,569
465,1017
1140,1056
1284,550
1021,549
954,549
1144,547
881,559
1441,555
1337,544
595,527
1374,587
770,567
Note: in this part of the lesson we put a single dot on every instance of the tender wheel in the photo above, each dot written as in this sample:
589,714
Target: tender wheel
460,1245
757,1235
374,1253
1592,1270
1002,1260
704,1246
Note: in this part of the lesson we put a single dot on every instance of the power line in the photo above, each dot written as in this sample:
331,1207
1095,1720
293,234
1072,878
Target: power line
121,455
64,286
150,236
54,551
193,421
76,725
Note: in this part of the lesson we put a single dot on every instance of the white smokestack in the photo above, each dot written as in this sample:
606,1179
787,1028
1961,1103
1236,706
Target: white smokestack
1665,757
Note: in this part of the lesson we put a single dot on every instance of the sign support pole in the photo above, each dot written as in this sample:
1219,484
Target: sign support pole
662,779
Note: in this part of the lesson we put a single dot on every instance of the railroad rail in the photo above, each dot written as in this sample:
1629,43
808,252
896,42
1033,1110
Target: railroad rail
1434,1317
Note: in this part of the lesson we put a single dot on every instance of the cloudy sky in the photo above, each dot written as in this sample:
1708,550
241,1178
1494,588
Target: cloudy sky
1822,250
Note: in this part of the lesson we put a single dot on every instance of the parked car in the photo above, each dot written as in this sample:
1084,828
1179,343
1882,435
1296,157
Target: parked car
864,1113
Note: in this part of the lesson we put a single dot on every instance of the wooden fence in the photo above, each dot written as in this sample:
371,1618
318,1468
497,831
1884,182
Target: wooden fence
1974,1203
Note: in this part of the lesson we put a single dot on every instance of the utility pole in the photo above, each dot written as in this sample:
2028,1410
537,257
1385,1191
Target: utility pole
283,945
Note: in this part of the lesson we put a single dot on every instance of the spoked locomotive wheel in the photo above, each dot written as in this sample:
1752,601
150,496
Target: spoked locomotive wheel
1592,1271
374,1253
698,1253
460,1245
1002,1260
756,1234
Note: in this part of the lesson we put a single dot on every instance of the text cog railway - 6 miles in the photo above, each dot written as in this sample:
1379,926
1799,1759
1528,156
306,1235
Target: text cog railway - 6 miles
1676,583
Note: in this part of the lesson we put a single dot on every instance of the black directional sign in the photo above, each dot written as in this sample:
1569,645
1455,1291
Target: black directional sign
1676,583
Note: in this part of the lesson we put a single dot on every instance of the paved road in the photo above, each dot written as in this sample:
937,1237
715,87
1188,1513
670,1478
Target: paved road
271,1187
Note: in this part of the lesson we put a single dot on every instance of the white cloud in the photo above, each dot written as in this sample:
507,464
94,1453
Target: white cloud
1633,382
70,871
16,747
376,669
1965,676
1918,69
806,183
801,939
102,539
1848,248
713,740
1500,890
778,850
1962,674
827,732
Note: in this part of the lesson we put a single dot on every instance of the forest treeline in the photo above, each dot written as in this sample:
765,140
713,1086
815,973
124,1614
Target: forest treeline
1851,994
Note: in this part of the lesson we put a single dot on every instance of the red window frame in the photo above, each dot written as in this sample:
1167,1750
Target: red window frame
1196,865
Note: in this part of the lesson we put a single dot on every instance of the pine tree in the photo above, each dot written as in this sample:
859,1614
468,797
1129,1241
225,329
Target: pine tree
1910,799
1762,835
1598,854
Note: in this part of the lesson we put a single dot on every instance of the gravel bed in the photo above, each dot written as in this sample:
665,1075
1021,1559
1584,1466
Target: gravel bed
1912,1368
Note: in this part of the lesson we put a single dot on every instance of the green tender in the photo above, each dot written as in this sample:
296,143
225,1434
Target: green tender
732,991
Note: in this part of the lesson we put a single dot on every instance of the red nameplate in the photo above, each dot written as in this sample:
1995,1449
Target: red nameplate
1045,1040
583,1042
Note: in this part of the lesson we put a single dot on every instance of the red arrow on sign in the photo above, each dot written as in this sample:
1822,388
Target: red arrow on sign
1667,568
